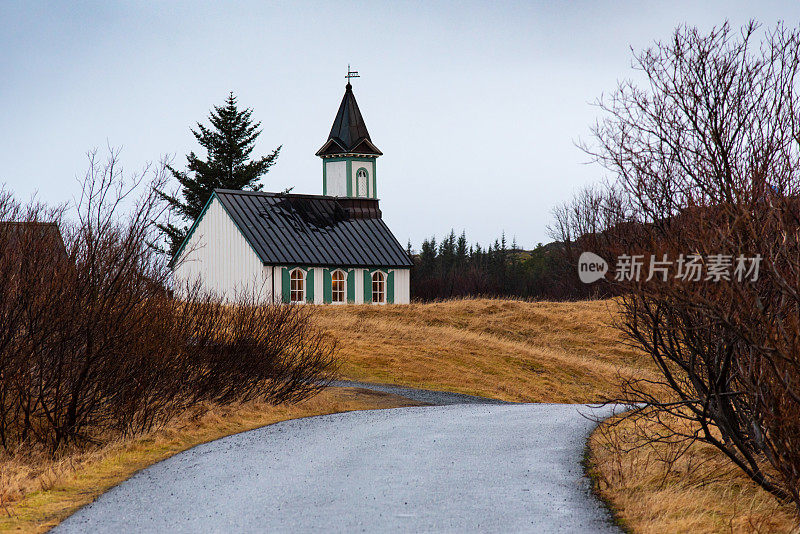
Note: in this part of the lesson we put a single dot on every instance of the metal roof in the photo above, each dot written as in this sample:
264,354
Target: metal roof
286,229
349,132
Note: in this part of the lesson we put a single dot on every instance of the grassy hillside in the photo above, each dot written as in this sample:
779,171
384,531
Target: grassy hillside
511,350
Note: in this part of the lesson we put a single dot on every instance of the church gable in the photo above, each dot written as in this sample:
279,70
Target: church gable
365,146
331,147
216,252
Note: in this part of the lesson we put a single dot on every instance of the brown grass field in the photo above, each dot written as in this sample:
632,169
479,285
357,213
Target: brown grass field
512,350
505,349
671,488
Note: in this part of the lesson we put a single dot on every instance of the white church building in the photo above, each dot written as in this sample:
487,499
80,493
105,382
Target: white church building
332,248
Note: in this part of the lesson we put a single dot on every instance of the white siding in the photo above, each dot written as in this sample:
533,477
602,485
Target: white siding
278,281
319,290
402,286
359,289
219,257
336,178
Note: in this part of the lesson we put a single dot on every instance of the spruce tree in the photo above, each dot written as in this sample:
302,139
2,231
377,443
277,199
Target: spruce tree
461,249
228,142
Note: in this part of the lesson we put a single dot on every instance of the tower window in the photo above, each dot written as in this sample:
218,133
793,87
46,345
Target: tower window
362,182
297,286
337,287
378,288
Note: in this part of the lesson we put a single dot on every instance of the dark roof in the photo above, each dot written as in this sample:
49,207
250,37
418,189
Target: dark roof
349,133
29,235
286,229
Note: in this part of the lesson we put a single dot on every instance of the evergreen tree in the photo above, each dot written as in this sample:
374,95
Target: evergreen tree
427,257
228,141
461,249
447,253
453,268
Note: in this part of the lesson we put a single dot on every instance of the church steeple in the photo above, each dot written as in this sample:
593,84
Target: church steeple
349,133
348,156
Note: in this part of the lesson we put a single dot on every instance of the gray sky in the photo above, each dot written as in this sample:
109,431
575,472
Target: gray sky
475,105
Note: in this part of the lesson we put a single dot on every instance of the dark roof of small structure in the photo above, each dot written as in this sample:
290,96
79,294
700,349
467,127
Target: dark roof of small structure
314,230
29,235
349,133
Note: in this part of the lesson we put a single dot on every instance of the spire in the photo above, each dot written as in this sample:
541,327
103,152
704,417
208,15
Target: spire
349,133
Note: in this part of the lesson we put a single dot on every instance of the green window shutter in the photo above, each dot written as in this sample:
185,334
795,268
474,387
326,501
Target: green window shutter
285,284
349,178
310,285
390,288
327,286
367,287
351,286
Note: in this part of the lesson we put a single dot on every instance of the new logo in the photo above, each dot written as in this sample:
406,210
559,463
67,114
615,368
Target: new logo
591,267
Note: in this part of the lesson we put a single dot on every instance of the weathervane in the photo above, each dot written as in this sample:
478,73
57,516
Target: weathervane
351,73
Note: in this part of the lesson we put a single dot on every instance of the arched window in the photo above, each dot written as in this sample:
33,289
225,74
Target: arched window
338,289
297,286
362,182
378,288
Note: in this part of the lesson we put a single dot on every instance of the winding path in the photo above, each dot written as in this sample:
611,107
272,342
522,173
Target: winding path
472,466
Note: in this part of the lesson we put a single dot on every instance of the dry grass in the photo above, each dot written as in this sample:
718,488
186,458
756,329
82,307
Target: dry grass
511,350
37,492
663,487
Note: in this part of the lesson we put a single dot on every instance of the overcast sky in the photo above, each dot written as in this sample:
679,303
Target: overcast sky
475,105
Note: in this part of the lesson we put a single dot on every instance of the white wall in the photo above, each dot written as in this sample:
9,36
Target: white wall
336,178
319,294
221,259
359,282
402,286
278,281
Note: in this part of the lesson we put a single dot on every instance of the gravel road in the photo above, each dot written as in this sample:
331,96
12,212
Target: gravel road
454,468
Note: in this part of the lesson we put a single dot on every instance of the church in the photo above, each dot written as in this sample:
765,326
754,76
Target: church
332,248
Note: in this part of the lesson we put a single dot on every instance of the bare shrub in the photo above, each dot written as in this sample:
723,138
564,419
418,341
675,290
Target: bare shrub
91,342
706,158
594,220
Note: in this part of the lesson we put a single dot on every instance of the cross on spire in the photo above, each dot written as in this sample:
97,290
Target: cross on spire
351,74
